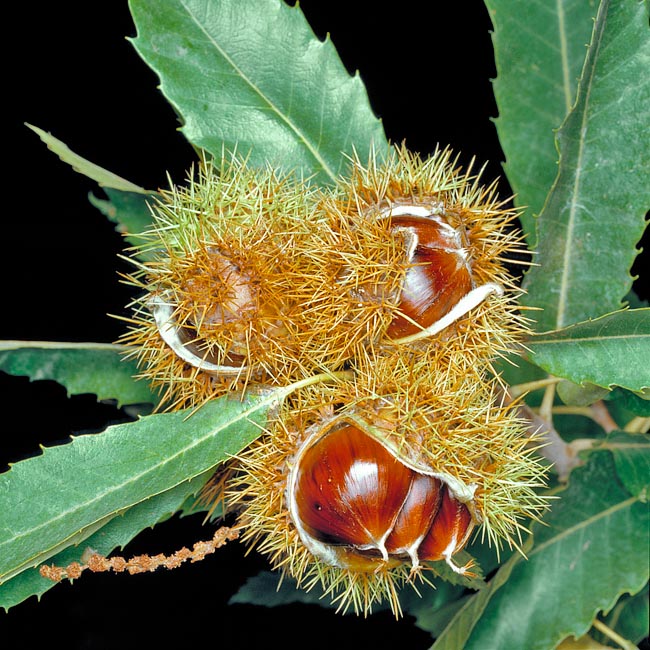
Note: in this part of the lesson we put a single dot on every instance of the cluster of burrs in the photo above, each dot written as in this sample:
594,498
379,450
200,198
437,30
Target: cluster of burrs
392,288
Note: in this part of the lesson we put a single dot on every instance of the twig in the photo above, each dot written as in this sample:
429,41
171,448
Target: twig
519,389
553,447
601,416
638,425
597,412
616,638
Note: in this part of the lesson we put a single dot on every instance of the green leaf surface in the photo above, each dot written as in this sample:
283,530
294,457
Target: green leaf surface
630,618
115,534
269,589
593,549
97,368
434,619
594,215
129,211
613,350
79,164
68,492
631,454
539,51
252,77
457,632
639,404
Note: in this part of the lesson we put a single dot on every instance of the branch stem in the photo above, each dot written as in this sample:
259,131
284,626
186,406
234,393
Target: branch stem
597,412
527,387
638,425
616,638
546,409
340,375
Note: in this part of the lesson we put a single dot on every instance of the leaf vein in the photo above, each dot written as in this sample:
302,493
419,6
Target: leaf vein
285,118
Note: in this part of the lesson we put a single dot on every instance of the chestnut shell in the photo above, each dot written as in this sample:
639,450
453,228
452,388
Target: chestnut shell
356,504
440,272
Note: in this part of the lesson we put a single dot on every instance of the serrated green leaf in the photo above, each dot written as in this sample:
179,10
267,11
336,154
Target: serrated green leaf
613,350
539,51
594,215
632,459
81,165
64,495
430,606
577,395
593,548
128,204
639,404
128,210
268,589
97,368
630,617
457,632
252,77
118,532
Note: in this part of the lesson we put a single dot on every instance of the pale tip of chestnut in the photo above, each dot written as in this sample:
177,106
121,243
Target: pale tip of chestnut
468,302
170,331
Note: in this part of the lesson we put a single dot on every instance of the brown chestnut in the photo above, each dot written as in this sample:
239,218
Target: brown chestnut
357,505
440,272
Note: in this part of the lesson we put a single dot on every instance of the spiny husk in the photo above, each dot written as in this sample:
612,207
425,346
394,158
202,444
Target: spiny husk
231,230
264,278
450,417
433,418
311,288
312,282
494,328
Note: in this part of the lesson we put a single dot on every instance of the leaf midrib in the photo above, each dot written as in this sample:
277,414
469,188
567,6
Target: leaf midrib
568,242
583,524
299,133
589,339
564,55
135,478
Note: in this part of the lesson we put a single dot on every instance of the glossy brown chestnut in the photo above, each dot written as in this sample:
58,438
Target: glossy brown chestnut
356,504
439,275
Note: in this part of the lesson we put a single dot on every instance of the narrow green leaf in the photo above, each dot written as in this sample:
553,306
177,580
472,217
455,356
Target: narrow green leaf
128,204
613,350
539,51
97,368
252,77
594,215
128,210
592,549
115,534
65,494
456,634
268,589
631,454
639,404
630,617
85,167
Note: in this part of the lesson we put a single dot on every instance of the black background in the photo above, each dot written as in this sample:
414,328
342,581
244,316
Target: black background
72,72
